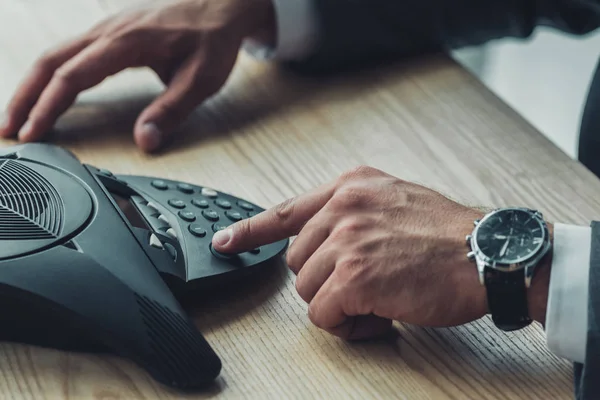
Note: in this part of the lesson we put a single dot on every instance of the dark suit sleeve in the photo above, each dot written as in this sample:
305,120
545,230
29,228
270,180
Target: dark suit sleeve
587,375
353,32
589,139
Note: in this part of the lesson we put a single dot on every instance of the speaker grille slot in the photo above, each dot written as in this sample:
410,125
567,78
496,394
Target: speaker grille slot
30,207
181,354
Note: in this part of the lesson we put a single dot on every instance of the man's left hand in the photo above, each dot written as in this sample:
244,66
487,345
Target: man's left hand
370,249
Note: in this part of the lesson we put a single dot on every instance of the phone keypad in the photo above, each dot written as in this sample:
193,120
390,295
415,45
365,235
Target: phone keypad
215,212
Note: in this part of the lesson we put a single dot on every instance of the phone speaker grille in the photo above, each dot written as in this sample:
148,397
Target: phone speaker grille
30,207
182,357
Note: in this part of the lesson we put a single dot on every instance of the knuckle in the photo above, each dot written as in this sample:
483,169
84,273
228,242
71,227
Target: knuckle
351,226
372,246
284,211
354,269
359,172
350,263
351,196
356,172
67,76
137,43
404,199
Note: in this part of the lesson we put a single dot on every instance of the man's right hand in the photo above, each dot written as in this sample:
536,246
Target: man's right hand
192,45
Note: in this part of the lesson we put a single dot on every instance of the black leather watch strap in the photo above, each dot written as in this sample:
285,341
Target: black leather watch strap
507,299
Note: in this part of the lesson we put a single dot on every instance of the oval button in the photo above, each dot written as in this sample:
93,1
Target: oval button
223,204
221,255
160,184
197,230
218,227
200,203
176,203
210,215
185,188
187,215
233,215
208,192
245,205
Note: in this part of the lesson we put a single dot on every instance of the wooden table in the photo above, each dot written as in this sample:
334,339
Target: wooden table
269,136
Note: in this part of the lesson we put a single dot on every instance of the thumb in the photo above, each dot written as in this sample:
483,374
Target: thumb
361,327
367,327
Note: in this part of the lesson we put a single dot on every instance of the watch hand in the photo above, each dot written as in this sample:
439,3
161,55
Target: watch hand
503,250
496,236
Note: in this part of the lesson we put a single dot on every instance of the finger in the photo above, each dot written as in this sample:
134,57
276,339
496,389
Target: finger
29,90
315,272
311,237
200,76
277,223
88,68
188,87
326,311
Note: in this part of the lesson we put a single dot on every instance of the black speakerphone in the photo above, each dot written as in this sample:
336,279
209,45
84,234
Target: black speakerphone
87,256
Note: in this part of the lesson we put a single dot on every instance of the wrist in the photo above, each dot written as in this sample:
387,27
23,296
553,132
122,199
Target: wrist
537,295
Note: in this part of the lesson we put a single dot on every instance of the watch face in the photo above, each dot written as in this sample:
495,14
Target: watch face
510,236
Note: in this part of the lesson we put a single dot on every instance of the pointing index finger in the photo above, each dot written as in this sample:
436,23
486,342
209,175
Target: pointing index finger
277,223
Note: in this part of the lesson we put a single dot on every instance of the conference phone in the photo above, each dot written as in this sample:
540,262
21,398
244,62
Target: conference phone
103,256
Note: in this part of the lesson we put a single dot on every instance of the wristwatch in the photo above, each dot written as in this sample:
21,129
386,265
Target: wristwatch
507,245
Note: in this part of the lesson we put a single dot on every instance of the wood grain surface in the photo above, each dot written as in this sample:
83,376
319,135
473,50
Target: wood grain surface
269,135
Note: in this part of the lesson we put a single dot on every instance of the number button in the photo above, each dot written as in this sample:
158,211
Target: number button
223,204
197,230
218,227
200,203
220,255
187,215
177,203
208,192
185,188
210,215
245,205
233,215
160,184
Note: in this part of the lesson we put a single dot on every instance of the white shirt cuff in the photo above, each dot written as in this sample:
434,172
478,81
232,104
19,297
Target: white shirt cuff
567,308
296,32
